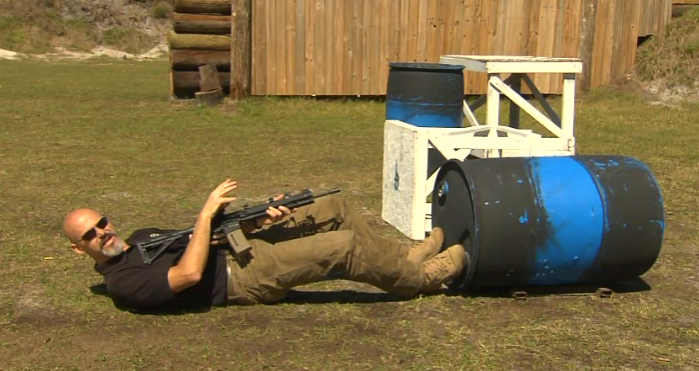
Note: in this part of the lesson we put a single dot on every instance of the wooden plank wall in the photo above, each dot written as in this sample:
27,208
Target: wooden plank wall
343,47
655,15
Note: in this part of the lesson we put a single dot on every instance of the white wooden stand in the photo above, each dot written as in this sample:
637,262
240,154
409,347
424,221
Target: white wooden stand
519,68
406,184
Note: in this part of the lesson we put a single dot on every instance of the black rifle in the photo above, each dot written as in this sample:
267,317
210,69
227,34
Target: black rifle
229,224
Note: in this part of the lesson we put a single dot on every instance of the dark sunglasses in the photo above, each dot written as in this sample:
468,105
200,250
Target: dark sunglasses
92,232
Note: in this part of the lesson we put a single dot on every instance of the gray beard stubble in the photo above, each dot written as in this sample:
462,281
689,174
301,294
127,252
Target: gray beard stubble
116,249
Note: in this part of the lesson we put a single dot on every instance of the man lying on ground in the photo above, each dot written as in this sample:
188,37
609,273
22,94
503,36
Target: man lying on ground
326,239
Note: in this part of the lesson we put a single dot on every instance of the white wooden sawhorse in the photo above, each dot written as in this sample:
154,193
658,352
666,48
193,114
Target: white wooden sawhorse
519,68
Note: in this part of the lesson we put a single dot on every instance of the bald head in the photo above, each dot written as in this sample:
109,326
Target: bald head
92,234
78,222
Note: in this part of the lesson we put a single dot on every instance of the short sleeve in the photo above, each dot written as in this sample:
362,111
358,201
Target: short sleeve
144,287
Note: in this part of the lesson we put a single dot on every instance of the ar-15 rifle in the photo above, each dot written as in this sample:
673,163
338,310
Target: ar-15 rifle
229,224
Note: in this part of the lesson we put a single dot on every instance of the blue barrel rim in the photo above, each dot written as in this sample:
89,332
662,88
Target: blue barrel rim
472,243
425,94
426,66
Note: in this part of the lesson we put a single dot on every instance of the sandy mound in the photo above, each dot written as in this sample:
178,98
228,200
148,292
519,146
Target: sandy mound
101,51
6,54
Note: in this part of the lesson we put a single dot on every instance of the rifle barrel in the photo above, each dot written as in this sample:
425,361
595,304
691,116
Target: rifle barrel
332,191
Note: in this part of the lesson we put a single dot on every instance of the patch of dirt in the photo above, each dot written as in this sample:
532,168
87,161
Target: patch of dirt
658,91
157,52
32,308
672,95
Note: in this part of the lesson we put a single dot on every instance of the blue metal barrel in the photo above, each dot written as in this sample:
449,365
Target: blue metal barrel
550,220
425,94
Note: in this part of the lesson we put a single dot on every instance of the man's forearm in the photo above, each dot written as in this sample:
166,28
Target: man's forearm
191,266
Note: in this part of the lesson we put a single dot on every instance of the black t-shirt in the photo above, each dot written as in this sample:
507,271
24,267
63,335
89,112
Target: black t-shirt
144,287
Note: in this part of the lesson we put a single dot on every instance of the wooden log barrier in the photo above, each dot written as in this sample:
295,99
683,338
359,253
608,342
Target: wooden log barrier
189,80
191,60
199,42
201,24
203,6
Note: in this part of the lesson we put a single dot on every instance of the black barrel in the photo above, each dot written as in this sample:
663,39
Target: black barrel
550,220
425,94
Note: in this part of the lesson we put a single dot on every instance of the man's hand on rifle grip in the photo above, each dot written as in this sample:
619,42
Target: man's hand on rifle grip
274,214
219,240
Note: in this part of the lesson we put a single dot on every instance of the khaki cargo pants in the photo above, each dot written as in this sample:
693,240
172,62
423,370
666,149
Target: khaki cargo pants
323,240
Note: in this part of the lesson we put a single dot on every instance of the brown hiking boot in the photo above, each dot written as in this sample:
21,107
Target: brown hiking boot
428,248
443,268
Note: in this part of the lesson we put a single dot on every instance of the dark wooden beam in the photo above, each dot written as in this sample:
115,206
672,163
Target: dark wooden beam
201,24
203,6
191,60
199,42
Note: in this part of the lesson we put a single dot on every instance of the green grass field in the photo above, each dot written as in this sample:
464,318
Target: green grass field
104,134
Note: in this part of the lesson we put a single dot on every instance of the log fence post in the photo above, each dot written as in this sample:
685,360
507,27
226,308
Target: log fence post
241,48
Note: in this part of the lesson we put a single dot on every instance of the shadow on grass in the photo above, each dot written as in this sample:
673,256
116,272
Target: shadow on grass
101,289
602,290
339,297
354,297
334,98
293,297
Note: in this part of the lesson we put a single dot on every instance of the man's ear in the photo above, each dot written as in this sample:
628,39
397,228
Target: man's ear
77,249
